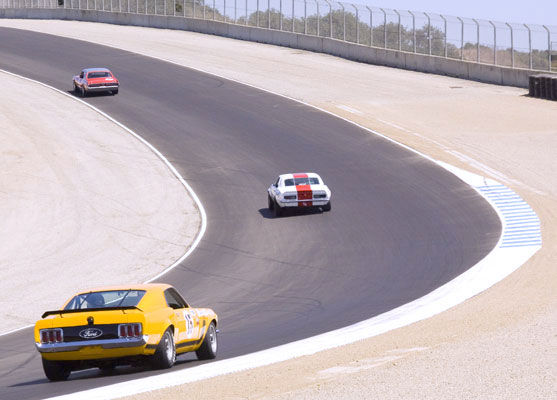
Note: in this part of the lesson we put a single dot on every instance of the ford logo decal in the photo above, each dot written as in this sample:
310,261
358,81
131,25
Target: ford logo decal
90,333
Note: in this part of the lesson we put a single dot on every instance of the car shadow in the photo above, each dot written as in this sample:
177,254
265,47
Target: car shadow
90,95
95,373
288,213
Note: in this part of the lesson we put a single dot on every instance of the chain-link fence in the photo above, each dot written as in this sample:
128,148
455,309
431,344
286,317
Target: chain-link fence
490,42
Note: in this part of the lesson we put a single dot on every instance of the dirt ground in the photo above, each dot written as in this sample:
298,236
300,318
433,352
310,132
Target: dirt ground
83,203
500,344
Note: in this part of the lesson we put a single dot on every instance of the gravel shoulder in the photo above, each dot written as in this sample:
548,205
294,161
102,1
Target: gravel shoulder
499,344
83,203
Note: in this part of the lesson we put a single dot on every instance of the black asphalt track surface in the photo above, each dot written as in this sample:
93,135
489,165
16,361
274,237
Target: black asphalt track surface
400,226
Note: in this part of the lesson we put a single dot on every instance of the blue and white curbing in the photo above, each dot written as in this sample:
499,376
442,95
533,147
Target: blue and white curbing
520,239
522,223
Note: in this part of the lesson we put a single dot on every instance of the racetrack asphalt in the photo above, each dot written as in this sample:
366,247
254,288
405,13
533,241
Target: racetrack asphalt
400,225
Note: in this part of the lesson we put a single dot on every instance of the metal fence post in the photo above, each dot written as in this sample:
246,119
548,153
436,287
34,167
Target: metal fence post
494,42
384,28
330,19
461,38
413,29
343,22
214,10
428,32
512,44
318,16
280,16
445,38
236,10
370,26
305,17
268,14
293,15
478,40
530,45
399,31
257,15
357,25
548,48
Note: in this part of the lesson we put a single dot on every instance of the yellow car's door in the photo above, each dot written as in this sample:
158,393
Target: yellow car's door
177,303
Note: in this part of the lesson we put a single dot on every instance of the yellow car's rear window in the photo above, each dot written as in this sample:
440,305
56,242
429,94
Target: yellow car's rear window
106,299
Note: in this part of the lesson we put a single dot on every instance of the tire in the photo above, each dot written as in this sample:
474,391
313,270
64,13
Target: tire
115,92
278,210
270,203
165,355
327,207
75,88
56,370
209,347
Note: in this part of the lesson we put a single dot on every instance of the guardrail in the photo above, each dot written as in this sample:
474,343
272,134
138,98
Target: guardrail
478,50
524,46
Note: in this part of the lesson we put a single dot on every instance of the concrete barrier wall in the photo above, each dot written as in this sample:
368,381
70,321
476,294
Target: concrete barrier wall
391,58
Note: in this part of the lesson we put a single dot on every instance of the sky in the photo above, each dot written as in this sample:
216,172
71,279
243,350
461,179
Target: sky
542,12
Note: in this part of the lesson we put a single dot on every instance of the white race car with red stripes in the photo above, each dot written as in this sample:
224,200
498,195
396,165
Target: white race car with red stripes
305,190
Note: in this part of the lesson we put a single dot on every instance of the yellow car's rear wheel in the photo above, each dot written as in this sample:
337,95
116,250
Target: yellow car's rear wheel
165,355
56,370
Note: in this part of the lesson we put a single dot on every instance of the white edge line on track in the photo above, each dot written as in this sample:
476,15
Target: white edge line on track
498,264
203,227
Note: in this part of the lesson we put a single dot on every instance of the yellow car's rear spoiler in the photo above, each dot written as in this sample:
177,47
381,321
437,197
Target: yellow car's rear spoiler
61,312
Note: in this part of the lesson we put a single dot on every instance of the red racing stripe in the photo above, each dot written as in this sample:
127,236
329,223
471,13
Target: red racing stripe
305,194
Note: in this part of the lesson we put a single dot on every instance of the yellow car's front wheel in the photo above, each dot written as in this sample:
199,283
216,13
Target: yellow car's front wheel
208,349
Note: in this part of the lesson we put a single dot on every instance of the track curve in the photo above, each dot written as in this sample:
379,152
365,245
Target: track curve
400,227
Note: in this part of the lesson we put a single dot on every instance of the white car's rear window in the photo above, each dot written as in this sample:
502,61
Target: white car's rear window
301,181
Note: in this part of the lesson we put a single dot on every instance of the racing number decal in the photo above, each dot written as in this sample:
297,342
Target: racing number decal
189,324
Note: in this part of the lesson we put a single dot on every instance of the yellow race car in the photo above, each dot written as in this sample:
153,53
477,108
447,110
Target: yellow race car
123,325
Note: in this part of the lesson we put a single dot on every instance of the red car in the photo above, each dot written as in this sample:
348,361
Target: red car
95,80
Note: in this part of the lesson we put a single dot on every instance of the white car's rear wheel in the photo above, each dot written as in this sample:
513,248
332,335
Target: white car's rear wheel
277,209
327,207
